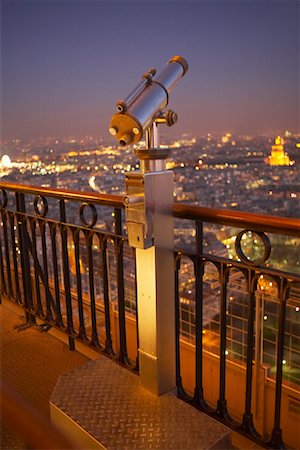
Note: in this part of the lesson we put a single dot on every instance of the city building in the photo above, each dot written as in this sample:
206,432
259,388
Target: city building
278,156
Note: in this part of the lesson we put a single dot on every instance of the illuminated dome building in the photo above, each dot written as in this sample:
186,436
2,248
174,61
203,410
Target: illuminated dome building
278,156
5,165
6,162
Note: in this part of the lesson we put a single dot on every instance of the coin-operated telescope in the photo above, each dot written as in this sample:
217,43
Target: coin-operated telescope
138,116
143,105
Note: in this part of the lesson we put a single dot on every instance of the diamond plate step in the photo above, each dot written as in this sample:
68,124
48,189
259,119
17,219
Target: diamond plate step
104,405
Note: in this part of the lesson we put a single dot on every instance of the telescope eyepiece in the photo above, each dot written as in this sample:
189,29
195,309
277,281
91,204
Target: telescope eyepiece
121,106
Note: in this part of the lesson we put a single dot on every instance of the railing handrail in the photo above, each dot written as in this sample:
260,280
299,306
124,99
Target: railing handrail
104,199
234,218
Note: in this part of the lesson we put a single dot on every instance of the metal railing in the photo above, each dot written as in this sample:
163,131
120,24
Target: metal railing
62,256
229,299
65,259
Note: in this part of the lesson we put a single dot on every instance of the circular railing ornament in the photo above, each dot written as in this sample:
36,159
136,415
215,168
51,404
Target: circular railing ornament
263,251
40,205
93,213
4,200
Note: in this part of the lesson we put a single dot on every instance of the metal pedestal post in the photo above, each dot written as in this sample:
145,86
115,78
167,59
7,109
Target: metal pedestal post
155,292
150,228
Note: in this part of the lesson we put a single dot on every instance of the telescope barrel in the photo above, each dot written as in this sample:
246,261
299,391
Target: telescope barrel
134,94
123,105
145,102
172,73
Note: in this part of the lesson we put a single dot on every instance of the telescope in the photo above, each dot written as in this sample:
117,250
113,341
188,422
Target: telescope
143,106
148,193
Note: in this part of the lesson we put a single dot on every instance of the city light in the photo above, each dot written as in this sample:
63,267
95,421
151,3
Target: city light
229,176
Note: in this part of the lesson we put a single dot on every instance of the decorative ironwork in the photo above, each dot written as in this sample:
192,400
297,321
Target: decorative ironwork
40,205
93,211
266,244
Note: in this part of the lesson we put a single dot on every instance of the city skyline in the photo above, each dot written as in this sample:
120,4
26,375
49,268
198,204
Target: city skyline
255,175
65,64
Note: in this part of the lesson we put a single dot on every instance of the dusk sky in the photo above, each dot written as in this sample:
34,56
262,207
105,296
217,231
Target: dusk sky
66,63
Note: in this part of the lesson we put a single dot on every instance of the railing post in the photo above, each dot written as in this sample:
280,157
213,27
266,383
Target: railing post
199,272
276,438
66,272
25,262
154,243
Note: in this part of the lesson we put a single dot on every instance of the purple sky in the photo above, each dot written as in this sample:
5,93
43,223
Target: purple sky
65,63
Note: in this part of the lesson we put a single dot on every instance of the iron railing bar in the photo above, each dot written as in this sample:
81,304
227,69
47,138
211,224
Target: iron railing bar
123,357
2,279
7,256
89,245
222,404
198,396
248,416
14,255
66,273
108,340
25,262
118,221
58,314
82,332
276,439
36,268
48,296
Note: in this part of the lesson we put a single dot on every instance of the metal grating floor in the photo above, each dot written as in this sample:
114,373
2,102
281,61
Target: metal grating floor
31,362
108,402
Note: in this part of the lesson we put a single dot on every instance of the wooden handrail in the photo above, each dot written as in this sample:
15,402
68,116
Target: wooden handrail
234,218
254,222
103,199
